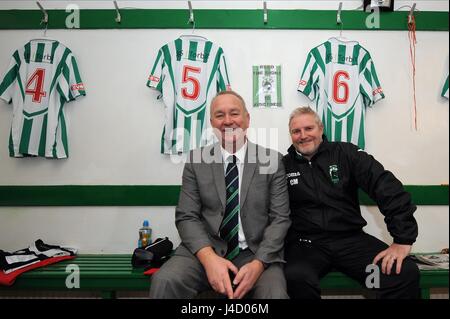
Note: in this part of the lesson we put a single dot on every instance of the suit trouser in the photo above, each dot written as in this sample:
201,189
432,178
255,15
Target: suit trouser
312,257
183,277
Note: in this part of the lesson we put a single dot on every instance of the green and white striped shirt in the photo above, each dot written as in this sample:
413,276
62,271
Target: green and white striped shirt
340,78
188,72
42,76
445,89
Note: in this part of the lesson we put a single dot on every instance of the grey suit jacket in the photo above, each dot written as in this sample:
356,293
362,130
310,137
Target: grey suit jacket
264,203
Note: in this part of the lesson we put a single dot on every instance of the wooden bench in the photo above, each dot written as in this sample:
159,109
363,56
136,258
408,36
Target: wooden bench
109,274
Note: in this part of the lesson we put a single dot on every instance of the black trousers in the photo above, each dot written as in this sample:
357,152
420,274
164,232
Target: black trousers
310,258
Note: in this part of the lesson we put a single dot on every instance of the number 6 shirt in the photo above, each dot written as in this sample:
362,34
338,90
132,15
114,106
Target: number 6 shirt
42,76
188,72
340,78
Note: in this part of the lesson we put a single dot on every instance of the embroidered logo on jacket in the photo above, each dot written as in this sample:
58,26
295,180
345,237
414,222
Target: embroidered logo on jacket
334,174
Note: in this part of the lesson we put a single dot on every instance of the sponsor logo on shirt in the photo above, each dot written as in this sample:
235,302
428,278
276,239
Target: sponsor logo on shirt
302,83
335,58
77,87
44,58
153,78
192,55
378,90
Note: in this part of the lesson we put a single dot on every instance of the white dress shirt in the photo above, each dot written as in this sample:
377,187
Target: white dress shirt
240,158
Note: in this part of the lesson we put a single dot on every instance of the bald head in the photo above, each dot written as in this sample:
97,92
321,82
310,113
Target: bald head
223,93
230,119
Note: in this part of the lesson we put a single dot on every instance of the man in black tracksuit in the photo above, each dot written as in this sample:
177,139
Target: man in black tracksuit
323,180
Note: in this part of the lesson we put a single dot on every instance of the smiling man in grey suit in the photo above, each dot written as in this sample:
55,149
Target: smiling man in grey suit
232,215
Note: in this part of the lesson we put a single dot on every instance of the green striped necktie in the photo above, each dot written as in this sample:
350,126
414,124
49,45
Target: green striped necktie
230,225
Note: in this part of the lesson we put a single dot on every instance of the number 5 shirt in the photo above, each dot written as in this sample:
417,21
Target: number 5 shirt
188,72
340,78
42,76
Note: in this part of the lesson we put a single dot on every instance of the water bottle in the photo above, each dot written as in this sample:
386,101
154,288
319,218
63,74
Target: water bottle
145,235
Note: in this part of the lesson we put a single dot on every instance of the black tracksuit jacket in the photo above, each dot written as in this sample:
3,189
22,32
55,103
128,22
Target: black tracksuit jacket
323,193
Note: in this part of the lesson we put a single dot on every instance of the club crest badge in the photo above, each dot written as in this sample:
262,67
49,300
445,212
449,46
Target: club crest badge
334,174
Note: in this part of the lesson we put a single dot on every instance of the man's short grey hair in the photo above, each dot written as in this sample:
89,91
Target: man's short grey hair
240,98
302,110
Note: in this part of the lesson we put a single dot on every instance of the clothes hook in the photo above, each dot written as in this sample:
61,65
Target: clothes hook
411,14
191,13
265,12
45,18
339,20
118,16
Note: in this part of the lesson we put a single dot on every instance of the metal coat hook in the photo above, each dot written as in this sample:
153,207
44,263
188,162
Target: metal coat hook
411,14
339,20
118,16
45,18
265,13
191,13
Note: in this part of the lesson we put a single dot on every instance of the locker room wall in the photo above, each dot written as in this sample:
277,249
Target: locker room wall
114,132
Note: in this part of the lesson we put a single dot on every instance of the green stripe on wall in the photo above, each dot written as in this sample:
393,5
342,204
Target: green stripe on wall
154,195
75,195
222,19
421,195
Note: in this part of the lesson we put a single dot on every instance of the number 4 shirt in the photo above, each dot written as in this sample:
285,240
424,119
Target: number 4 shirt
340,78
188,72
42,76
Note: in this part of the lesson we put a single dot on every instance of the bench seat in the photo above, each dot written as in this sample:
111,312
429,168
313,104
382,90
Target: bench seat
109,274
